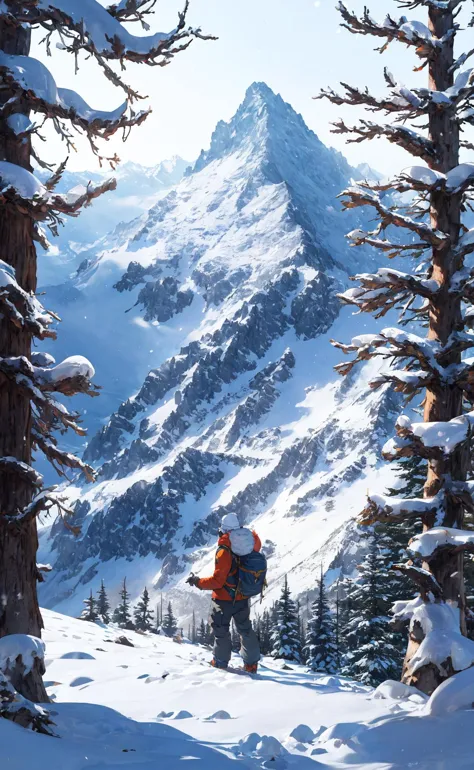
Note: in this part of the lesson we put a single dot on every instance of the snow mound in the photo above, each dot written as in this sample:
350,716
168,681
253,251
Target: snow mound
77,656
249,744
303,734
454,694
399,691
220,715
183,714
269,746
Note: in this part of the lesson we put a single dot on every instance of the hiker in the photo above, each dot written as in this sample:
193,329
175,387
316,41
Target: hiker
238,575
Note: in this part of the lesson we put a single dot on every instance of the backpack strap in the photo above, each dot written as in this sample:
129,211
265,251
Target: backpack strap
231,589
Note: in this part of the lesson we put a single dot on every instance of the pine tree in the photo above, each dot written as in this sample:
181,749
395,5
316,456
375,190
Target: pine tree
263,629
30,418
121,614
372,654
193,629
90,611
103,606
337,628
142,614
411,477
286,639
169,625
435,294
201,633
320,647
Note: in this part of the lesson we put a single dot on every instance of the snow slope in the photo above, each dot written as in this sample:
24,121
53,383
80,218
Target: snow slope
159,705
138,188
230,281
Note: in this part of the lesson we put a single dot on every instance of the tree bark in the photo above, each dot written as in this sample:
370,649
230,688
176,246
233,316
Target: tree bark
445,317
19,609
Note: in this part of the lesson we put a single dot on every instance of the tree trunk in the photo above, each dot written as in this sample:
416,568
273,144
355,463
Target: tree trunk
19,610
444,318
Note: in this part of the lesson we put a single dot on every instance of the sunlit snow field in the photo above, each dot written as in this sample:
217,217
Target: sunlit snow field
160,705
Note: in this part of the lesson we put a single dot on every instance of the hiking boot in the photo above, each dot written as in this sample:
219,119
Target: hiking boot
218,663
251,668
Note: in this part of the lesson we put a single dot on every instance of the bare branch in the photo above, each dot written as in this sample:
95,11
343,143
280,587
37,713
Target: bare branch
61,460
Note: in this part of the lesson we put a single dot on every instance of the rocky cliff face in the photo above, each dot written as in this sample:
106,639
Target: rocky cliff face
230,284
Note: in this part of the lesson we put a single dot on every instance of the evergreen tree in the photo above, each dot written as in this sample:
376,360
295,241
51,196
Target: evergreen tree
286,638
90,610
121,614
438,250
320,647
29,415
193,629
142,614
264,630
103,606
201,634
411,477
169,625
373,655
337,628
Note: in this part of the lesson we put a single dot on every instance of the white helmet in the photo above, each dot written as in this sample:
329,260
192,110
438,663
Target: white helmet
230,522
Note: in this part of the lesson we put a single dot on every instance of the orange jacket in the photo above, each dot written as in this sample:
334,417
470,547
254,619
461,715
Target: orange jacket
223,566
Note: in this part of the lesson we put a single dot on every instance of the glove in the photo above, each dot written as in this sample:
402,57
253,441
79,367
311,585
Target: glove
193,580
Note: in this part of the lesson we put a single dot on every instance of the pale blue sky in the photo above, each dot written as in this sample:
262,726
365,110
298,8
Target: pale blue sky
296,46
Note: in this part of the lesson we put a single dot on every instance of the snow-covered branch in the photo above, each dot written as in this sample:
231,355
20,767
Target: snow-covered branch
356,97
21,308
447,6
70,377
14,467
413,33
428,439
410,383
423,579
33,88
356,196
380,508
88,26
132,10
427,544
409,140
21,190
380,292
397,344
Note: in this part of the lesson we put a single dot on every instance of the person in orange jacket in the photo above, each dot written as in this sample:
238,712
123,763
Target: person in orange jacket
227,603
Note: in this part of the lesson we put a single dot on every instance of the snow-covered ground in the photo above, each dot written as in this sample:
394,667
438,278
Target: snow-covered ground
159,705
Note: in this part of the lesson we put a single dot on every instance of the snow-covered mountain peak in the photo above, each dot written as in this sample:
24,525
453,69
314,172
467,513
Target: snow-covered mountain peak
208,319
265,127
